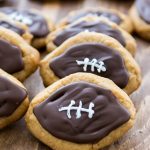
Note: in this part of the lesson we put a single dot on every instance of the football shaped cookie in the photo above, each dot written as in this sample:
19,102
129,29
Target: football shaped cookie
17,57
94,53
113,15
13,99
39,25
91,24
140,14
15,26
81,111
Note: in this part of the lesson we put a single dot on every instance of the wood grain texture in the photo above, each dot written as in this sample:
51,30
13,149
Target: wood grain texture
17,137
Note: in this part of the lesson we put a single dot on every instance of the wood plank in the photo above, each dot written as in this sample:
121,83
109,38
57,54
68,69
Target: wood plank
17,137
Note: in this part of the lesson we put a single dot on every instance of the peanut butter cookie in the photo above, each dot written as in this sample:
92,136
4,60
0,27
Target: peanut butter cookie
81,111
113,15
40,25
91,24
17,57
94,53
140,14
13,99
15,26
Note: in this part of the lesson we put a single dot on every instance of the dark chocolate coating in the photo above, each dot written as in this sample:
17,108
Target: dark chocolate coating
95,26
10,57
11,96
65,64
109,113
12,27
143,8
39,27
111,16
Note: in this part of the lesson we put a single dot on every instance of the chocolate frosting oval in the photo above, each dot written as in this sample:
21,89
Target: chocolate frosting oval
11,96
111,16
109,114
93,26
66,63
12,27
143,8
10,57
36,22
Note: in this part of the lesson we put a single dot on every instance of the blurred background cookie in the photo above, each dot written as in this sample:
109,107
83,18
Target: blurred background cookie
113,15
39,24
140,14
91,24
15,26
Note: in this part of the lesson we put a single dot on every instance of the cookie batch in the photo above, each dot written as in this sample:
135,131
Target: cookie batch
89,72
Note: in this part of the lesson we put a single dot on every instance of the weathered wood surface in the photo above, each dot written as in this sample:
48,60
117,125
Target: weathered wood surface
17,137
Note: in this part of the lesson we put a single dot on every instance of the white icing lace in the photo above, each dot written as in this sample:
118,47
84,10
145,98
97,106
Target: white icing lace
94,63
78,109
18,17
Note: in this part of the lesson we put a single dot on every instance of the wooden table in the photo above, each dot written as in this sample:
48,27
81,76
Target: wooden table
17,137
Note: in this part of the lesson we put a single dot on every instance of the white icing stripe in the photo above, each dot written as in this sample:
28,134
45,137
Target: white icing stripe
18,17
99,65
78,109
86,31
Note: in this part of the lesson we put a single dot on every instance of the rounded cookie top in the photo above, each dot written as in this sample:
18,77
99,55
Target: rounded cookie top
88,26
10,57
105,13
17,57
112,15
11,96
143,8
36,22
94,53
93,58
81,112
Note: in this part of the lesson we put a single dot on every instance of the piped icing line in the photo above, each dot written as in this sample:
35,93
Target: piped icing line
78,109
94,63
19,17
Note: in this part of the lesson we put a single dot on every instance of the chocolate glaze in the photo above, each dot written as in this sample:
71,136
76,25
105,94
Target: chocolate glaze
12,27
38,27
143,8
10,57
65,63
11,96
95,26
111,16
109,113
